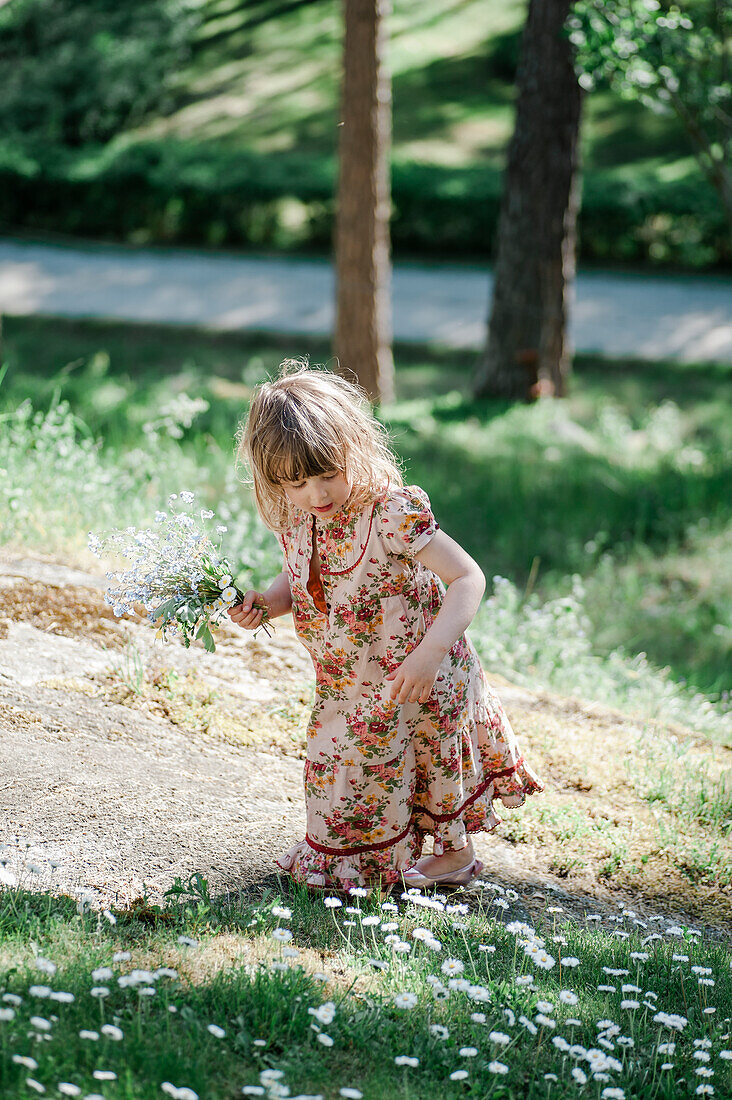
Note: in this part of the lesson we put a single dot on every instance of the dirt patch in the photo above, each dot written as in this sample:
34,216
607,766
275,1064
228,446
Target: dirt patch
130,763
69,610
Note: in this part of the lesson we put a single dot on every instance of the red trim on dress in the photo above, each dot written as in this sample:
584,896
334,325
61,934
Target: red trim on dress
416,809
342,572
476,794
359,848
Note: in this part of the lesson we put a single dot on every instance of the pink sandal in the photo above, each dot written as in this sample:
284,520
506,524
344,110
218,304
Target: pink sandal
462,877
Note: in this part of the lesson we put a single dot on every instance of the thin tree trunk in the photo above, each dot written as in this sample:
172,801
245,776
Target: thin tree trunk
362,340
527,352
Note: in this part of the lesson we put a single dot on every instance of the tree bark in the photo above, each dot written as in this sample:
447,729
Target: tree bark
362,340
527,352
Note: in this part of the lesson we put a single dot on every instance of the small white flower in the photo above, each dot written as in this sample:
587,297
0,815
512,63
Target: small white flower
48,967
325,1013
567,997
406,1000
284,935
280,913
350,1094
405,1060
678,1023
468,1052
452,967
35,1085
458,1075
217,1031
332,903
570,960
92,1035
500,1037
498,1067
324,1039
186,941
99,991
66,1088
439,1031
113,1032
102,974
24,1060
39,1023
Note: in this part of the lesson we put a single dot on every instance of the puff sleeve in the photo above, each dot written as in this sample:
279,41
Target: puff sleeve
406,522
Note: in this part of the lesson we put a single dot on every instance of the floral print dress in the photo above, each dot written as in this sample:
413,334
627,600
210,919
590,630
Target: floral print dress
380,776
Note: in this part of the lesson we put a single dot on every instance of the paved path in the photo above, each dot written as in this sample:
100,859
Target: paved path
687,318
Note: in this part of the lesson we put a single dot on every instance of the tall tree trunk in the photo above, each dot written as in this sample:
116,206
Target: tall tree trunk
527,352
362,341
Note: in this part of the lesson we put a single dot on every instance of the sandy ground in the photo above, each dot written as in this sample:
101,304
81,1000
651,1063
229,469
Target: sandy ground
125,795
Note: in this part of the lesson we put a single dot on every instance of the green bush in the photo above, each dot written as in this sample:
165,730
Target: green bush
181,193
74,73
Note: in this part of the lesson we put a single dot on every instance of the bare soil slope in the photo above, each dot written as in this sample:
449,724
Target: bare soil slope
129,763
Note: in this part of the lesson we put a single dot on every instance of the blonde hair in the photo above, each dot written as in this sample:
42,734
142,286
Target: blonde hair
308,422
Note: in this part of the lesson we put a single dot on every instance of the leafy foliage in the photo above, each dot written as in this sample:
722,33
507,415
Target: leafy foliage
672,61
74,73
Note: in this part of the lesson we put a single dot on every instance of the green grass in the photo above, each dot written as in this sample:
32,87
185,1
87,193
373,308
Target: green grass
266,77
623,485
263,993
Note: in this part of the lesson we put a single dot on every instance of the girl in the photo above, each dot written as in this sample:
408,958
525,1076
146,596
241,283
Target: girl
406,738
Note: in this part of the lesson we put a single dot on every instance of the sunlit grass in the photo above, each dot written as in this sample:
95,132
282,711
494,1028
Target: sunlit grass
267,77
403,997
623,484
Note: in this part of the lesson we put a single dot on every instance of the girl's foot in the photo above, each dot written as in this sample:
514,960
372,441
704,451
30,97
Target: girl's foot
451,868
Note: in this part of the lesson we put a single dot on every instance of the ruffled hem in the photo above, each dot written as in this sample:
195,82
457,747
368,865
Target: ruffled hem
373,868
382,867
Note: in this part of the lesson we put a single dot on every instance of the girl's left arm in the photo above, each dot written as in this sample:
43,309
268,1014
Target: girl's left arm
412,681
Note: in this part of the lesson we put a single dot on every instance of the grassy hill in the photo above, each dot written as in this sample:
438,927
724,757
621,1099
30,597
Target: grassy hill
241,148
265,76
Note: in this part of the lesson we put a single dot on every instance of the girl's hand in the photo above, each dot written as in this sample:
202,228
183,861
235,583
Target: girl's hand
413,680
250,612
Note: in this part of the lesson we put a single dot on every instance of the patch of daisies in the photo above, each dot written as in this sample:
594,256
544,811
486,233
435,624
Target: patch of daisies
442,1003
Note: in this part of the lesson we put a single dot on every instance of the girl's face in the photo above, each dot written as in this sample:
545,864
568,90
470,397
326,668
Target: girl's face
321,495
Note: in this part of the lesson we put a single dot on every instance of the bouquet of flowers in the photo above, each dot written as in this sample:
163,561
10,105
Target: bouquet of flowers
177,573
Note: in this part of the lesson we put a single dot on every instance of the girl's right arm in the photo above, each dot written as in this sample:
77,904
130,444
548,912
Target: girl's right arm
278,600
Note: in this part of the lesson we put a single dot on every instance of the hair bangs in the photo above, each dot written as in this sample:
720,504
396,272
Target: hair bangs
298,457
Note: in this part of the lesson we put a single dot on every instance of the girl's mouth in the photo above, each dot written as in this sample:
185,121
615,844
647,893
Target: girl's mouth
325,508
